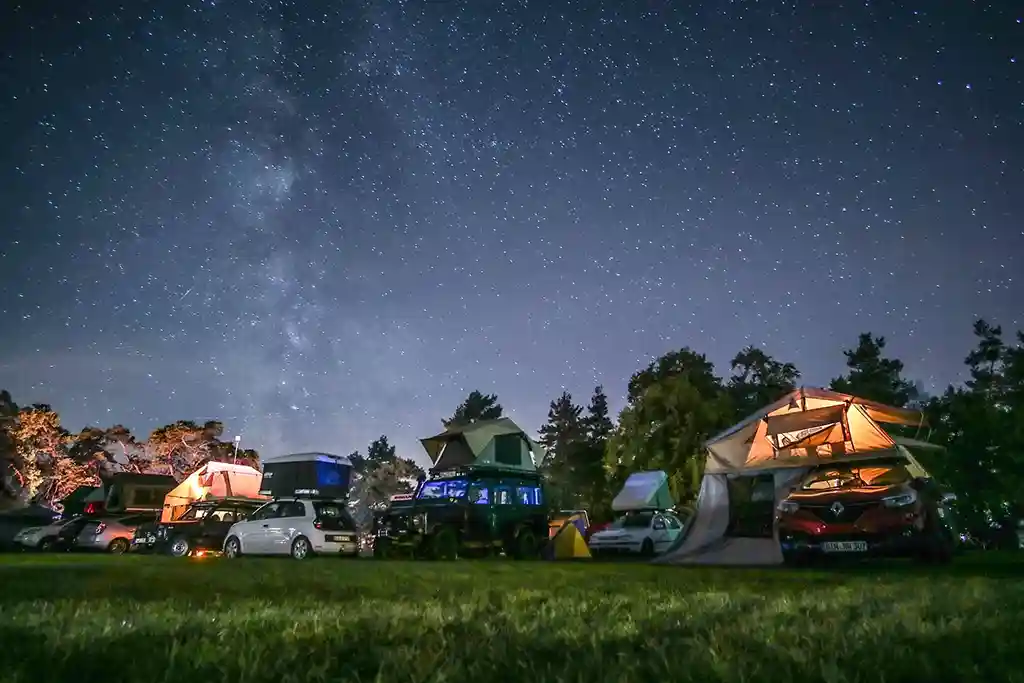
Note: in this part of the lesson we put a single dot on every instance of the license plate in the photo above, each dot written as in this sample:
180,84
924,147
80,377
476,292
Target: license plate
845,546
340,539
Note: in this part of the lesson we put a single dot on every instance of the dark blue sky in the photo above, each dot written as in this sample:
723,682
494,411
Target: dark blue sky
324,221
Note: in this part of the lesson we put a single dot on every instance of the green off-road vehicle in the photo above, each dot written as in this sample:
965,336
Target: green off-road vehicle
484,497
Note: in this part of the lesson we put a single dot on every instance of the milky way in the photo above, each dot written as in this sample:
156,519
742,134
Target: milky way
320,222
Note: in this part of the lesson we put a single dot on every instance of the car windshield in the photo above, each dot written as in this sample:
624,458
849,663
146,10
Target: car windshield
443,488
633,520
856,476
195,513
334,511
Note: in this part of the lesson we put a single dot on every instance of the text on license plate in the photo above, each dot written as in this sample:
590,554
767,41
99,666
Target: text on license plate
845,546
340,539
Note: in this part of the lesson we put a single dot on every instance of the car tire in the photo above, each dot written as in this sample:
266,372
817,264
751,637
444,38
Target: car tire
232,548
525,545
647,548
444,544
47,544
118,546
301,548
179,547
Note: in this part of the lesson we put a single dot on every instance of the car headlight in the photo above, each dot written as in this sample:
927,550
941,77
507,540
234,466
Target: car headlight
901,500
788,506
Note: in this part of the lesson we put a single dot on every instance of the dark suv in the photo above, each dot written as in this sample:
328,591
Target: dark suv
200,529
471,513
867,508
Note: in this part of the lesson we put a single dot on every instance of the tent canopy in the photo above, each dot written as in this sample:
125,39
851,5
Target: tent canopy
644,491
495,443
806,427
212,480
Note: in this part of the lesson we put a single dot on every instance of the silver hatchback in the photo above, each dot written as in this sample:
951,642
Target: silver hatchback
112,534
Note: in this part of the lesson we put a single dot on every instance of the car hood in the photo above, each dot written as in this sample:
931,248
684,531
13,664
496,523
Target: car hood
853,495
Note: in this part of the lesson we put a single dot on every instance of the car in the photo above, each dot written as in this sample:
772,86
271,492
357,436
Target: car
473,511
201,529
112,533
299,527
47,537
865,508
641,532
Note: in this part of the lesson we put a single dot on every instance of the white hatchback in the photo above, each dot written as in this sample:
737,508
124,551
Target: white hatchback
640,532
299,527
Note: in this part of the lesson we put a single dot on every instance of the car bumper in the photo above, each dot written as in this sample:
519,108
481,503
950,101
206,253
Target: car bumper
326,547
613,548
898,543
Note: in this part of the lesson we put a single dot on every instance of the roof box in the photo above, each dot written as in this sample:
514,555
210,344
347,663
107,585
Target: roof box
306,474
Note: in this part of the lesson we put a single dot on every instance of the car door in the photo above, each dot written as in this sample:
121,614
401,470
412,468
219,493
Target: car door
283,526
254,533
673,529
660,533
214,527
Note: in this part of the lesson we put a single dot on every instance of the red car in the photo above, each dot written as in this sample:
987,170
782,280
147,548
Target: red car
870,508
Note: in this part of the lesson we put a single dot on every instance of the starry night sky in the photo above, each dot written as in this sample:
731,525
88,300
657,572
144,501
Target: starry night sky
323,221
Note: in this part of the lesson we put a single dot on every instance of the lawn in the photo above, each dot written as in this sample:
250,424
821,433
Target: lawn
156,619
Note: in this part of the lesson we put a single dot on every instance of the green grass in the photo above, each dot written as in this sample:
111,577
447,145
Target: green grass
156,619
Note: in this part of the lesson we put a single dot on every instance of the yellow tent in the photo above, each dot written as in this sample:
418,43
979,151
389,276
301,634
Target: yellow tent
568,544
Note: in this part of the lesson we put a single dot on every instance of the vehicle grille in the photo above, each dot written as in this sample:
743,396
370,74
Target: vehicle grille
851,512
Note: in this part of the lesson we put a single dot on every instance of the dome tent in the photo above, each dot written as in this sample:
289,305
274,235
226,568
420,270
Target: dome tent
776,447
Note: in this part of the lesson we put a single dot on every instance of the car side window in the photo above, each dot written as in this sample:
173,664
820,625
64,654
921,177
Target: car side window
478,495
672,522
266,512
222,515
293,509
502,494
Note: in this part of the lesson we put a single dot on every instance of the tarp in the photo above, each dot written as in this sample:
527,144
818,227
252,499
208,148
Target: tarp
781,443
569,544
644,491
212,480
495,443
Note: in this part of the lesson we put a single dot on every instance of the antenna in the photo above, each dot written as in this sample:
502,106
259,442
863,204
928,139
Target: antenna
238,440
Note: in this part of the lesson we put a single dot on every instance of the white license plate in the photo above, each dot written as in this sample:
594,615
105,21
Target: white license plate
845,546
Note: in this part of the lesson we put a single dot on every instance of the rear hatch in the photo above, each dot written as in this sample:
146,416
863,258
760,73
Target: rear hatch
333,517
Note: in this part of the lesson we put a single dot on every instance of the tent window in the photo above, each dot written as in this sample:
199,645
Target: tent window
147,496
508,449
751,511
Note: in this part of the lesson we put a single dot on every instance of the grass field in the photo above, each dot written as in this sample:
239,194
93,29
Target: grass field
156,619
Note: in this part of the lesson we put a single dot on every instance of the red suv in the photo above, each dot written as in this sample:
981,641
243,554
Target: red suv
865,508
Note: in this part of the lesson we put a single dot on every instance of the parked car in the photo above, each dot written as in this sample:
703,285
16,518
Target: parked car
112,533
299,527
642,532
47,537
868,508
201,528
13,521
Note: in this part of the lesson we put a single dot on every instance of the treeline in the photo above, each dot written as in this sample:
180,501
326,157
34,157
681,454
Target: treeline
678,401
41,461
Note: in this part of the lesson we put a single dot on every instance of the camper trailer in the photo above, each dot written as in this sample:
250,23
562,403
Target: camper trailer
129,492
320,475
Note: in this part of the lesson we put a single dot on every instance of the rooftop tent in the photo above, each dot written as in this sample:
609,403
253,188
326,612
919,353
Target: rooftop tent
644,491
295,474
771,451
494,443
212,480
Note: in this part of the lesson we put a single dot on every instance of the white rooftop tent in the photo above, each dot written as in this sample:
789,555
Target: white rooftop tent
779,444
644,491
212,480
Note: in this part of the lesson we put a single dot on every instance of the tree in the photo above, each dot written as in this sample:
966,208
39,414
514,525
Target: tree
588,457
665,429
40,442
685,362
759,380
598,423
182,447
560,436
872,376
377,477
10,485
476,407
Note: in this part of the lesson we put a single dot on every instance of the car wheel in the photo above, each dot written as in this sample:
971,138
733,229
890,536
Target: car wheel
232,548
444,545
46,545
301,549
180,547
647,548
118,546
526,545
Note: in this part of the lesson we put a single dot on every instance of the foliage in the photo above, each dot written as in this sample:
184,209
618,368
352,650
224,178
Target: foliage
758,380
184,446
696,367
431,622
665,428
477,406
377,477
560,436
873,376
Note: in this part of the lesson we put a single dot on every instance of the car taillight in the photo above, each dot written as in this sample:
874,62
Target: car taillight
99,528
317,524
